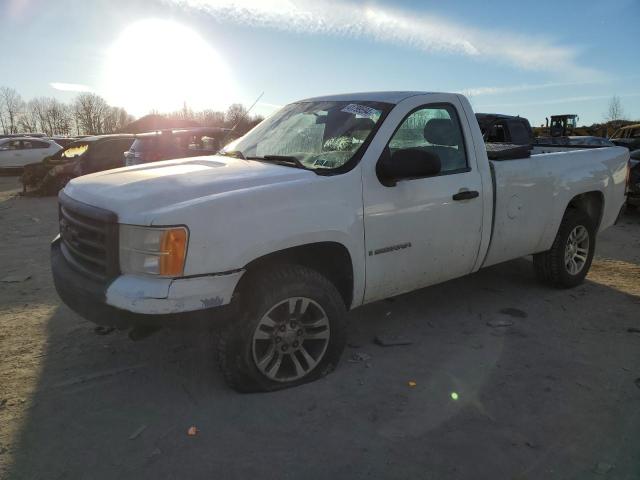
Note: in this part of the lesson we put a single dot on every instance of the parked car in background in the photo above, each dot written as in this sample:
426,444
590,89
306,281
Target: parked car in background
628,136
270,233
87,155
176,143
16,152
633,194
498,128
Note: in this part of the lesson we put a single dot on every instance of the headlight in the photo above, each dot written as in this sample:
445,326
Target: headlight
153,250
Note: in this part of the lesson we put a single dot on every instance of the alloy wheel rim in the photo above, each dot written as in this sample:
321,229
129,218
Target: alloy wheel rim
291,339
576,250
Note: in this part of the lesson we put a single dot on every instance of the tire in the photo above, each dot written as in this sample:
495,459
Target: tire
258,352
551,266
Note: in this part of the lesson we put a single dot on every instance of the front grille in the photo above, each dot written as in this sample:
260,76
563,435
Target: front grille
89,238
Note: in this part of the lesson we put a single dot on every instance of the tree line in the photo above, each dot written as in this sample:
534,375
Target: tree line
87,114
90,114
237,117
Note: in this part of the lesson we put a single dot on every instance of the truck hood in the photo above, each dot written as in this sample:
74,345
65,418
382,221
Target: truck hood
136,192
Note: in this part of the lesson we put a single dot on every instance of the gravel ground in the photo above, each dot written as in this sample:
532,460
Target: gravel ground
554,395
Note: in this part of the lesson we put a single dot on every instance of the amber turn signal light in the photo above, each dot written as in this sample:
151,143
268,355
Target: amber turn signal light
173,251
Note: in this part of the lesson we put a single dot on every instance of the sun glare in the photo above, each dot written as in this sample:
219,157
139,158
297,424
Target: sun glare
159,65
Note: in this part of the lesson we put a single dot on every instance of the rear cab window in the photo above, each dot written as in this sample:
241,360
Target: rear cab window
497,133
520,135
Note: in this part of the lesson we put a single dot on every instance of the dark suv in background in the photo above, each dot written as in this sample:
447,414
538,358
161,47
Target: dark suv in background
87,155
498,128
176,143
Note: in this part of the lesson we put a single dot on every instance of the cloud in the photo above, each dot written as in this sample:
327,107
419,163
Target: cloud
70,87
427,33
477,91
554,101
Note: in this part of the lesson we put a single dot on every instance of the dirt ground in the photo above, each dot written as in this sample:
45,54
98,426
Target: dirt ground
555,395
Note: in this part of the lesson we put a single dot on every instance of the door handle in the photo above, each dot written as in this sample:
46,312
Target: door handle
466,195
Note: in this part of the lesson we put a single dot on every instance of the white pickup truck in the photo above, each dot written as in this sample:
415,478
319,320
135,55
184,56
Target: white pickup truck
331,203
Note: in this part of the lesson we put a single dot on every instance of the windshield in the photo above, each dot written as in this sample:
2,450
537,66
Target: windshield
318,135
74,150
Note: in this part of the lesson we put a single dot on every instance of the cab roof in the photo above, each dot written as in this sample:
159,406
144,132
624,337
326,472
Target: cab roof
385,97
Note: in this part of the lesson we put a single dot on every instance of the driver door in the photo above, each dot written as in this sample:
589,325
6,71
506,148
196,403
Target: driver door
423,231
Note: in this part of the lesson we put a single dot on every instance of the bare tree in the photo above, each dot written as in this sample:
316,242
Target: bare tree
210,118
235,114
90,112
615,113
115,120
50,115
30,120
61,118
11,104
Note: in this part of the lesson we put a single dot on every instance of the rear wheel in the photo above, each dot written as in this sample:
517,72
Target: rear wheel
291,330
568,261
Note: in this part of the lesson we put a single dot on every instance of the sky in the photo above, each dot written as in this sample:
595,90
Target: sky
532,59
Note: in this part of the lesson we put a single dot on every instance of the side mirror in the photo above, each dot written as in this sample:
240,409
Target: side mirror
406,164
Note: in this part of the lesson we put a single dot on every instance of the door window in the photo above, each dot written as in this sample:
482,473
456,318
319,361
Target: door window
436,129
108,154
30,144
12,145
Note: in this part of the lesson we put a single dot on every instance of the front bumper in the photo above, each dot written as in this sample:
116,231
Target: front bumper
134,300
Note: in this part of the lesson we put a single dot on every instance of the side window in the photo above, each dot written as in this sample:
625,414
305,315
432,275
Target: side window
11,145
125,145
519,133
436,129
101,155
635,133
30,144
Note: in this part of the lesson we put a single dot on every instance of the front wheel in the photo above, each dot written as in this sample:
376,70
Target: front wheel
291,330
568,261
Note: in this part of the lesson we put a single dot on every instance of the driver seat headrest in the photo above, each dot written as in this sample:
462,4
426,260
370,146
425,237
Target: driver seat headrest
441,131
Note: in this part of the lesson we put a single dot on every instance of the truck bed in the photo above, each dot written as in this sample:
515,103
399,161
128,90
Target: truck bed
532,192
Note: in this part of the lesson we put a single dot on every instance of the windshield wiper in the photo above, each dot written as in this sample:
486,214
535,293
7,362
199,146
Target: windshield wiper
286,160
